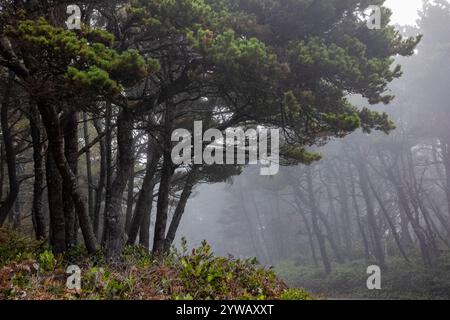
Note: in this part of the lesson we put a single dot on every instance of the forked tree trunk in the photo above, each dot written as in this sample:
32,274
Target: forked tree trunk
373,225
56,146
164,186
144,202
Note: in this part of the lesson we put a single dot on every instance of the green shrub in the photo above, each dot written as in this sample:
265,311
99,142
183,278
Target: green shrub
16,247
295,294
47,261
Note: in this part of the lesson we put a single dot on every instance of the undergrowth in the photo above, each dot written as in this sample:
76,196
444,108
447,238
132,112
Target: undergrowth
29,270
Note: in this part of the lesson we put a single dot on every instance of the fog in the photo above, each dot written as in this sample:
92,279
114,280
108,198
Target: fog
373,199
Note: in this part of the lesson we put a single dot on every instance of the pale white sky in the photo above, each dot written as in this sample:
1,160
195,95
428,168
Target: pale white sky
405,11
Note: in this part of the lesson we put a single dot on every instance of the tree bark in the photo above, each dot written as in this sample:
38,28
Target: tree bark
56,146
70,127
164,186
88,168
115,229
101,180
6,207
130,198
144,202
57,230
181,206
37,212
108,168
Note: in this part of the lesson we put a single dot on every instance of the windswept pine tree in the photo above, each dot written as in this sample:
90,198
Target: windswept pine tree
139,69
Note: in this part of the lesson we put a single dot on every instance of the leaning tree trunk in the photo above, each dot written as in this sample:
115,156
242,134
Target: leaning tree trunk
56,145
6,207
144,202
163,204
164,186
373,225
176,219
389,221
315,223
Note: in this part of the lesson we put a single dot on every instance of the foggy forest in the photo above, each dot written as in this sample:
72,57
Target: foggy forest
92,91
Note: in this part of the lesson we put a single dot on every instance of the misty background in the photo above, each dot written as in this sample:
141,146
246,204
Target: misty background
373,197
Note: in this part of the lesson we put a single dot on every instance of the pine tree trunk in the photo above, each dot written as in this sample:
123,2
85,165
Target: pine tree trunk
108,168
315,223
56,146
70,127
115,229
164,186
375,232
181,206
88,168
101,180
144,204
57,230
10,153
37,211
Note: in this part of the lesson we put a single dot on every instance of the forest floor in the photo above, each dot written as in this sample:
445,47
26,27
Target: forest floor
30,271
400,280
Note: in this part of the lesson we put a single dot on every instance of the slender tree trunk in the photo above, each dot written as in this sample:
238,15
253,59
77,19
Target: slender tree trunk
307,224
6,207
358,217
101,180
108,169
162,204
390,222
37,212
144,229
176,219
347,226
130,199
115,228
164,186
88,168
70,127
315,223
373,225
329,235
